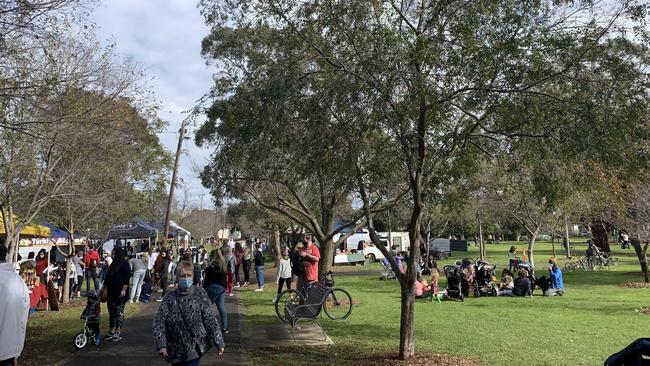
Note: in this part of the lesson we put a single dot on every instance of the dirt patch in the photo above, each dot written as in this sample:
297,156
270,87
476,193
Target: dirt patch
635,285
420,359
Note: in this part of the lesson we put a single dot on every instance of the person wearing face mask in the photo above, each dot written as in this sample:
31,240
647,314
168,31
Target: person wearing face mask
184,329
557,281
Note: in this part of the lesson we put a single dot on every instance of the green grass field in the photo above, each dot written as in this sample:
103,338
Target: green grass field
594,319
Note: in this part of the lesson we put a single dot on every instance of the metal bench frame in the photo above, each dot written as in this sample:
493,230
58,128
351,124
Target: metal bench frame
311,308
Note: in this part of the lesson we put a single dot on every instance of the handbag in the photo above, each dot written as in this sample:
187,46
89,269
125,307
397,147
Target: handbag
204,346
103,294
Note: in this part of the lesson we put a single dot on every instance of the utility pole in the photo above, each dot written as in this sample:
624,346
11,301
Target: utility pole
181,136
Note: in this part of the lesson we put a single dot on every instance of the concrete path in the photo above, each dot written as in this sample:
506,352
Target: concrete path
136,347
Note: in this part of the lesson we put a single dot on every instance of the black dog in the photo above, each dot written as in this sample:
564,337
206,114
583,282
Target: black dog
544,283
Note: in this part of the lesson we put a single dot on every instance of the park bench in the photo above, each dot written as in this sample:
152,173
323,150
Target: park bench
310,308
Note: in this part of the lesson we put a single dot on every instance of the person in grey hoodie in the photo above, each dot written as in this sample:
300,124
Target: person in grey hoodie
184,328
139,270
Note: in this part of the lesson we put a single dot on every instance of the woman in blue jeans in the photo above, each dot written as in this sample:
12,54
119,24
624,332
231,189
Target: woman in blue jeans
215,284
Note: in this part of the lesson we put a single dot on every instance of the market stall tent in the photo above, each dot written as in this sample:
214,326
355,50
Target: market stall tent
136,229
31,230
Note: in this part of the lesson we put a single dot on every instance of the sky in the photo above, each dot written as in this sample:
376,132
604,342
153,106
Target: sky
164,38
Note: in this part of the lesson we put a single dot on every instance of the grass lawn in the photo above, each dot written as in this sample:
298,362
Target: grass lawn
50,334
594,319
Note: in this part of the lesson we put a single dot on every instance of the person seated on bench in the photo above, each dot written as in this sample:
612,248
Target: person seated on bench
521,286
557,281
422,289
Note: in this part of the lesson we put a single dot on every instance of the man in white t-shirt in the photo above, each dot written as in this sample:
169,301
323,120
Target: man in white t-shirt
14,309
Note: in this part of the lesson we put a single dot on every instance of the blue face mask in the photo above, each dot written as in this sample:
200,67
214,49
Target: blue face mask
184,283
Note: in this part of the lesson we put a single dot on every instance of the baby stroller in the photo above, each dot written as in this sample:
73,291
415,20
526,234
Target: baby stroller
454,275
468,278
146,289
386,271
484,279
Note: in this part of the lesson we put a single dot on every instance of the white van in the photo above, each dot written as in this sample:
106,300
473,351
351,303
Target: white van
399,239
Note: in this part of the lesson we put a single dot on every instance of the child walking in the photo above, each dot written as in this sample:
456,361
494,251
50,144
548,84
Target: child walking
92,315
284,273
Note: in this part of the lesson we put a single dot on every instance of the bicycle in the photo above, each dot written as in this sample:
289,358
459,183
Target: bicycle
337,305
579,263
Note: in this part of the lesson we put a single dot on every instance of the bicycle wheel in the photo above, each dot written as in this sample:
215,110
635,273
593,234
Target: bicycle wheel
285,298
338,304
570,266
613,261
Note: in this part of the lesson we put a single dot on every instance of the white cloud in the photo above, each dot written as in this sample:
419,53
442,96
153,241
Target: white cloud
164,38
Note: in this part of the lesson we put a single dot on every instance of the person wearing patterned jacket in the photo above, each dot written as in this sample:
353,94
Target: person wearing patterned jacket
184,328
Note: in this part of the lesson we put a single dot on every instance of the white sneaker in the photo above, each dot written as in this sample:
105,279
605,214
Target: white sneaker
130,301
237,286
259,289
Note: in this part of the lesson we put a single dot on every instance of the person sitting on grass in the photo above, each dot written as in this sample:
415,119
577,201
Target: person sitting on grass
507,281
422,289
557,281
521,286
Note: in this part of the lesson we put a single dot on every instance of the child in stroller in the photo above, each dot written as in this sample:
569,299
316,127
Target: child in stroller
454,275
484,280
147,287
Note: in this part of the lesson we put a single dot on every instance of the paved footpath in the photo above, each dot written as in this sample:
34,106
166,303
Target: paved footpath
136,347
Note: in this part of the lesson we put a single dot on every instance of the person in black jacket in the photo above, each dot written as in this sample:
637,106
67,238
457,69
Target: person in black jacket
521,286
117,288
259,267
163,271
215,284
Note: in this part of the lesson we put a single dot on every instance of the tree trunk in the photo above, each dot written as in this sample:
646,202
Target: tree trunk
641,253
531,247
517,236
276,245
481,244
66,283
600,236
406,334
553,244
406,339
568,241
327,248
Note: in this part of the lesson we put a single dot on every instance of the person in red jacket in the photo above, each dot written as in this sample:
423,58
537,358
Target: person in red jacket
91,260
41,265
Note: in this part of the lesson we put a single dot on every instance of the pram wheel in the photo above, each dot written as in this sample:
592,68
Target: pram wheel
80,340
